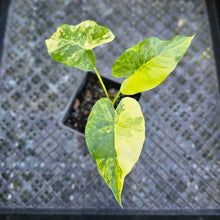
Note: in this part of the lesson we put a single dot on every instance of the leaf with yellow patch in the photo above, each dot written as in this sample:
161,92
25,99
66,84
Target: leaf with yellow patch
148,63
115,139
72,45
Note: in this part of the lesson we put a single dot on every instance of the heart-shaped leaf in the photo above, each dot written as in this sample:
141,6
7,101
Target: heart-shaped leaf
72,45
148,63
115,139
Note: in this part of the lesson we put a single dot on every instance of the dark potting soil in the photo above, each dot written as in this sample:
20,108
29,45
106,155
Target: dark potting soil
86,97
135,96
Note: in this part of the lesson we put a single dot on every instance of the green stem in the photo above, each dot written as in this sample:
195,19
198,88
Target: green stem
116,96
100,79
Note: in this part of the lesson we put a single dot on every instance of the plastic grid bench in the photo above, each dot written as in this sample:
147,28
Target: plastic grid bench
45,167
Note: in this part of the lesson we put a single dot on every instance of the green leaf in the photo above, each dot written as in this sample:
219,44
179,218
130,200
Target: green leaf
72,45
148,63
115,139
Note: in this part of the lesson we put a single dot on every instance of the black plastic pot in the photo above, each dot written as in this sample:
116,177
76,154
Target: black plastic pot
89,83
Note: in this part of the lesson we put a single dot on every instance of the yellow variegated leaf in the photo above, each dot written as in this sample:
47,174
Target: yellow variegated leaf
148,63
72,45
115,139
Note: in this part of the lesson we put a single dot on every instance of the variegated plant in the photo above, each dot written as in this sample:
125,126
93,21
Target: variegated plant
115,136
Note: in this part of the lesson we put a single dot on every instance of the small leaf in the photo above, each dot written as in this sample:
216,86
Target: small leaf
148,63
72,45
115,139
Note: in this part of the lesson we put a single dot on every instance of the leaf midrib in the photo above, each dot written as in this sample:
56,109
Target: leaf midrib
70,42
150,60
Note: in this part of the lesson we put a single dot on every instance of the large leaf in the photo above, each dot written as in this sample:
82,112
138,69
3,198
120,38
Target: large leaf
148,63
72,45
115,139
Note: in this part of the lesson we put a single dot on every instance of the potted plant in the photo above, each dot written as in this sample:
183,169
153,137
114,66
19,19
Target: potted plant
115,136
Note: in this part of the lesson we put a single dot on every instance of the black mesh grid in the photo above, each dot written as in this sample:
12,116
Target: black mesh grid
44,166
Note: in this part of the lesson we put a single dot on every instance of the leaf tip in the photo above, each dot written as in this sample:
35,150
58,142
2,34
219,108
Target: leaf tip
193,36
119,201
46,41
121,205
